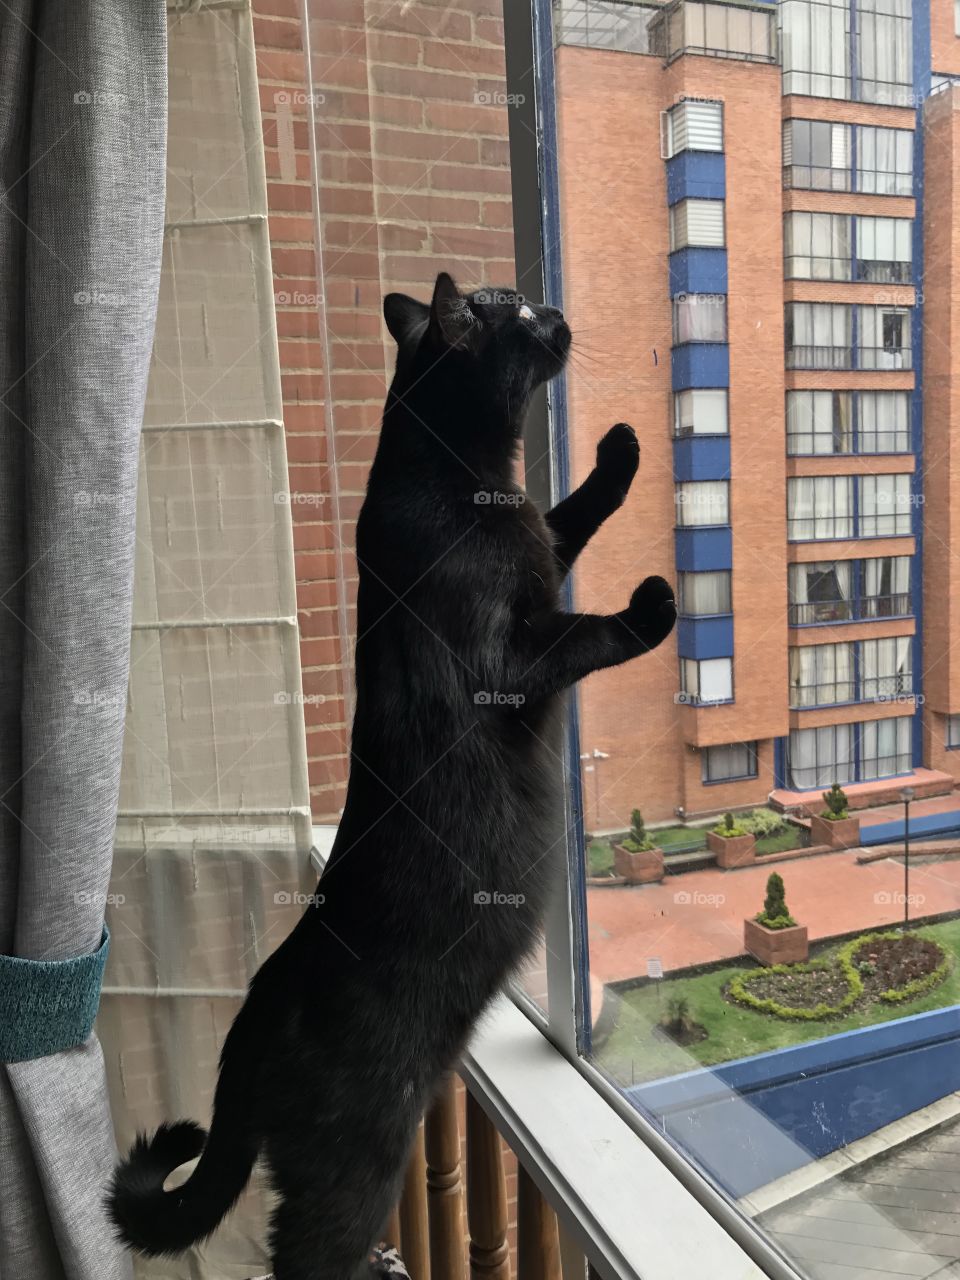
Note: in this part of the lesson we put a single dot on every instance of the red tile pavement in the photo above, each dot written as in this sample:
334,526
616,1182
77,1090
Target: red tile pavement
698,917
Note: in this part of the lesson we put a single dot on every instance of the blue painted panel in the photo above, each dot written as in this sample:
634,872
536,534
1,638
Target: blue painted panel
701,174
929,824
710,547
758,1118
698,271
705,637
700,364
701,458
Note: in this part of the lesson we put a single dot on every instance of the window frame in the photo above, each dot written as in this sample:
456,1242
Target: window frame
753,769
679,399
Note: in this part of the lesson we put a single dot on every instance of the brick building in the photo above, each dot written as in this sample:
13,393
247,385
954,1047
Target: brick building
757,204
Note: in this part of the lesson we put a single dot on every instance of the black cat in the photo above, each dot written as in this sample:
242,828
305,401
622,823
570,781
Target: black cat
437,882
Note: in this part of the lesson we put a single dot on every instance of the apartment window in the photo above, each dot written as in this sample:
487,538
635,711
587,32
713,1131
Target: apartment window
720,30
821,674
886,747
820,592
701,412
819,507
886,587
604,25
883,424
709,680
886,668
953,721
817,758
884,160
816,246
696,224
818,335
885,505
703,594
885,339
884,250
819,422
699,317
701,502
694,126
728,763
815,46
816,155
956,17
884,51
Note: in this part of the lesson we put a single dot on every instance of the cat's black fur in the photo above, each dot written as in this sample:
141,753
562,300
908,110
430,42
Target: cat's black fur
442,864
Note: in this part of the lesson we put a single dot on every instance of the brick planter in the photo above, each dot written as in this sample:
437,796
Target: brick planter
645,867
732,851
776,946
844,834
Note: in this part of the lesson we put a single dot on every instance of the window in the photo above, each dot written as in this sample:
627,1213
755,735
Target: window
710,680
885,505
694,126
953,721
700,412
699,317
819,507
883,422
884,160
604,24
886,748
821,674
886,668
728,763
819,422
820,592
818,335
816,155
885,341
886,587
815,44
701,502
720,30
884,52
703,594
816,246
884,250
817,758
696,224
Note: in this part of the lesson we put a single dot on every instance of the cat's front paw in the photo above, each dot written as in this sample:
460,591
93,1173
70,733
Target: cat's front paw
653,609
618,456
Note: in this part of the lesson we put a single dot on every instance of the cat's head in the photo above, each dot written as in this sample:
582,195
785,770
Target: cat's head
491,347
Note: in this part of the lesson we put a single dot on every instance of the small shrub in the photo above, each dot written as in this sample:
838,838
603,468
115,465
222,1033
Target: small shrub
637,841
763,822
836,802
775,914
678,1013
729,827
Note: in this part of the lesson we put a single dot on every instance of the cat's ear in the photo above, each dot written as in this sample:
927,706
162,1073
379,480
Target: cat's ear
406,318
452,323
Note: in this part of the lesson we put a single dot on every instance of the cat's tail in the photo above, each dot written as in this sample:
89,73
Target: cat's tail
157,1222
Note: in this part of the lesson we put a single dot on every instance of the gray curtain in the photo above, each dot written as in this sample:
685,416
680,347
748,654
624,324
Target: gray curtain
82,142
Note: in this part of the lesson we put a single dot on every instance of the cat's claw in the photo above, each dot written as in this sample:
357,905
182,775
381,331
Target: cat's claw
618,456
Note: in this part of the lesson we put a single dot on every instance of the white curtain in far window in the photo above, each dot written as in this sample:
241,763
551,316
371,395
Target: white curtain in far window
702,411
701,502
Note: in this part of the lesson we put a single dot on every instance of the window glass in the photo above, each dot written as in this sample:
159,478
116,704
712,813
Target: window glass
701,411
816,155
886,747
821,674
704,593
886,668
816,246
953,721
694,126
728,763
818,757
818,335
815,43
821,591
819,507
696,223
885,338
884,160
883,422
886,587
884,250
710,680
819,422
699,317
703,502
885,505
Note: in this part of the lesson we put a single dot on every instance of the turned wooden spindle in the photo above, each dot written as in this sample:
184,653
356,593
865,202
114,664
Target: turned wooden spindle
538,1242
444,1185
391,1231
414,1230
486,1198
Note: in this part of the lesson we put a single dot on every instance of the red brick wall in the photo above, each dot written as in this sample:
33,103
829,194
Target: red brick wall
413,177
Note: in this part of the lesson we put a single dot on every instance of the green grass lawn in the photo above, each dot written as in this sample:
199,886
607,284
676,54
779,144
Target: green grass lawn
600,848
634,1053
791,838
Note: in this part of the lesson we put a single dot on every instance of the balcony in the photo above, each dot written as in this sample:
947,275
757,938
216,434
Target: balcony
824,612
742,31
847,357
604,24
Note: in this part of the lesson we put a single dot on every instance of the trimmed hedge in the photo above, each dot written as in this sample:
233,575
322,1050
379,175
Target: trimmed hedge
739,991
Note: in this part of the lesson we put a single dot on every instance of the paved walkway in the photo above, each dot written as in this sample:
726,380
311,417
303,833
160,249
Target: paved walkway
698,917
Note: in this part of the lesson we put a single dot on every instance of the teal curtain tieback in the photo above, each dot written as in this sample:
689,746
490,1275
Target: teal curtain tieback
47,1006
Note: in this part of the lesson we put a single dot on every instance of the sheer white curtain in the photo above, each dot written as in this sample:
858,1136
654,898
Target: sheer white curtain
819,757
884,425
705,593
